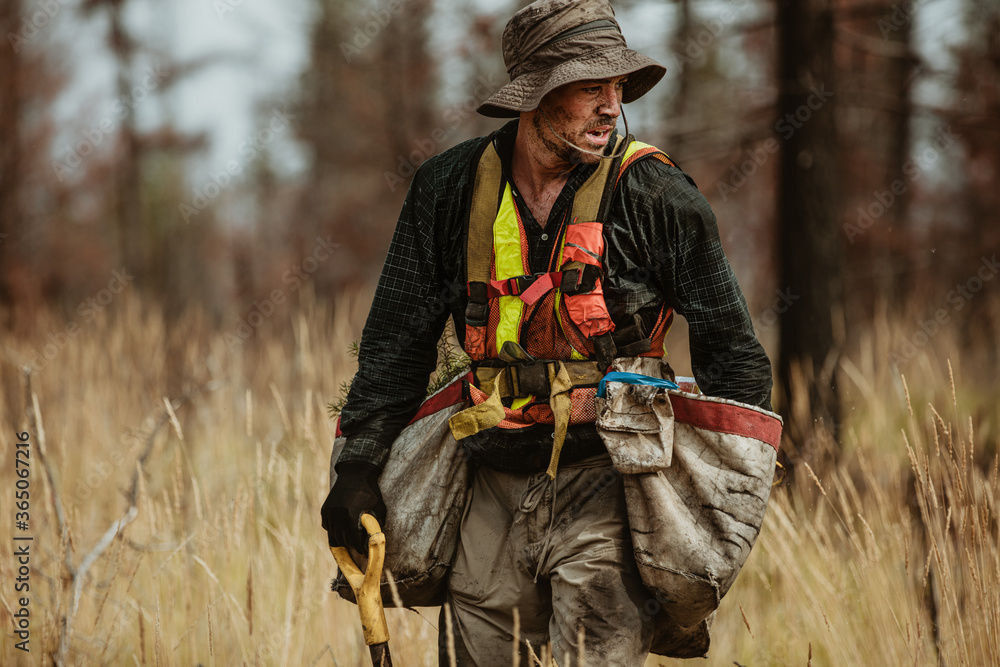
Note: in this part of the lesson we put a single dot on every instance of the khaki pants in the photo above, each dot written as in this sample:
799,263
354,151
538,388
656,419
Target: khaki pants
560,553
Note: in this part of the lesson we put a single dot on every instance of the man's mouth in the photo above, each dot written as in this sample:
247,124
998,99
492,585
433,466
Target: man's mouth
599,135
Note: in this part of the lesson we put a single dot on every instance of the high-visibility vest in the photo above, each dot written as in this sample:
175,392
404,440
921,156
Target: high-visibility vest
527,333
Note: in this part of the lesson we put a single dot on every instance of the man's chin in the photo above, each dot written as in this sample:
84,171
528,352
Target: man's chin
587,158
572,156
589,147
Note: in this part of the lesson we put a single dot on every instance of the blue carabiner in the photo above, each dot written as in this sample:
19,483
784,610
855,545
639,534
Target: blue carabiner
634,378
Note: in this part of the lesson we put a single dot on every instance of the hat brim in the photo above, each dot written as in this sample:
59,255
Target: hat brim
526,91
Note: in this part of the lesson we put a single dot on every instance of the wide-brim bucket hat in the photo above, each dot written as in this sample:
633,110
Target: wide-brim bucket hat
551,43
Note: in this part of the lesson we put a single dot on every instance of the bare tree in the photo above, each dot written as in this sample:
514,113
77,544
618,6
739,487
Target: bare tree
809,237
128,177
877,67
11,98
974,120
365,113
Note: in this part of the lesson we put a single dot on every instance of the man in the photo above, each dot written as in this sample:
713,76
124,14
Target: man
545,530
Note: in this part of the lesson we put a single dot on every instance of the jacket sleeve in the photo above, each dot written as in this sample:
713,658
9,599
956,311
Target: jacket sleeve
690,269
398,348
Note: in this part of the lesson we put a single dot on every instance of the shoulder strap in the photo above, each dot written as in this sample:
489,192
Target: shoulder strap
482,213
591,203
593,199
638,150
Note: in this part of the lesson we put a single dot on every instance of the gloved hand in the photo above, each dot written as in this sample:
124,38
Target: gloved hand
354,493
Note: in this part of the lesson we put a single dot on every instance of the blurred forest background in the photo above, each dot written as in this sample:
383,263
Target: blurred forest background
850,149
196,199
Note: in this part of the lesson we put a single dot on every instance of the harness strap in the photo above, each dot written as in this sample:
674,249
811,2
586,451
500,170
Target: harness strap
490,412
561,405
479,249
639,150
487,414
531,379
587,200
530,288
591,204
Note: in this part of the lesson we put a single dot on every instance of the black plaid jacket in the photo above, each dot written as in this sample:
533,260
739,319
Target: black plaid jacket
662,246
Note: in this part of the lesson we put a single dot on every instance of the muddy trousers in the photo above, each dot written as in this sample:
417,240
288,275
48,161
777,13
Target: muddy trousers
558,552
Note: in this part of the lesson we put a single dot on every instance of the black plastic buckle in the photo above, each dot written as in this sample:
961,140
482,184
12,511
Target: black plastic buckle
526,281
571,280
477,314
585,279
533,379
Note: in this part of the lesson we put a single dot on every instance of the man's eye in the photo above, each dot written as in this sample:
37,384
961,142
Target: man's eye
592,89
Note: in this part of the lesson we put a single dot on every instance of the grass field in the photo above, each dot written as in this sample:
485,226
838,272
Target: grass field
176,476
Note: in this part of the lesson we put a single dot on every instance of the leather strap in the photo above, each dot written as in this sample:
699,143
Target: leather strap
479,245
531,379
588,199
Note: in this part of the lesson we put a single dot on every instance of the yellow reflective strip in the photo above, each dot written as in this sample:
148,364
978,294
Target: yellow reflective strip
559,261
509,264
519,403
666,334
632,148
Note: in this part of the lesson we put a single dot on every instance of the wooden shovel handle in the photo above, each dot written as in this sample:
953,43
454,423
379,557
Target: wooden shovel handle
366,584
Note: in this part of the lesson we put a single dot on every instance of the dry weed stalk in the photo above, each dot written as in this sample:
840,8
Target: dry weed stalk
76,574
895,559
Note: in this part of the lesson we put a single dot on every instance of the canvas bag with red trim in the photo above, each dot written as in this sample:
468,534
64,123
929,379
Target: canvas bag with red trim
698,472
424,484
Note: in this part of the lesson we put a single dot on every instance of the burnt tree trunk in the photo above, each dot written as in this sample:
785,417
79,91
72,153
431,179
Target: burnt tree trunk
808,235
11,17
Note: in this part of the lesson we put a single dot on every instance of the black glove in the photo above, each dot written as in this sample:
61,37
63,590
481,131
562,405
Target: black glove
354,493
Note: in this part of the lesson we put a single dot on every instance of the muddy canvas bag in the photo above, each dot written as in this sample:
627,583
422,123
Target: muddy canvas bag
697,473
423,484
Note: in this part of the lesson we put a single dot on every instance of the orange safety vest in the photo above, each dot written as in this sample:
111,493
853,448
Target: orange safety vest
540,343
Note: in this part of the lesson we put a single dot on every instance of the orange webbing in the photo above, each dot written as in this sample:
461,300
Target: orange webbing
643,152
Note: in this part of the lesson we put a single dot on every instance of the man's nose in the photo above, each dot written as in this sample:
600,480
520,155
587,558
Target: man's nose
610,103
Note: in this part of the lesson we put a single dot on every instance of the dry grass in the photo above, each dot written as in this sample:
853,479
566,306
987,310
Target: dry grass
891,558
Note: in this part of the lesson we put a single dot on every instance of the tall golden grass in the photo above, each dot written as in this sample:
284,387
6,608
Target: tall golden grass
180,525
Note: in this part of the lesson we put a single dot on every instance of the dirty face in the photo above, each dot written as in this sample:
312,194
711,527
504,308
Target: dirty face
582,112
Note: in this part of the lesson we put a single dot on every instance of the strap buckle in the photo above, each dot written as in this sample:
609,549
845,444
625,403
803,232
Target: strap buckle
580,280
527,379
533,379
522,283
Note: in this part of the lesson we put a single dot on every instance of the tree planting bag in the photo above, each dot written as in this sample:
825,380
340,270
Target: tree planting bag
424,484
697,473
